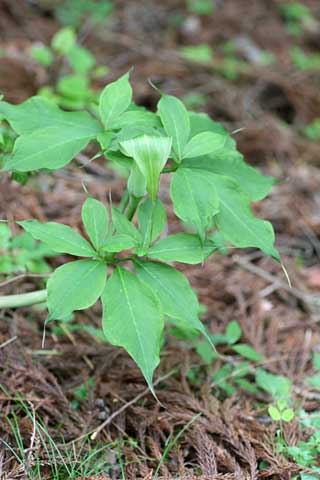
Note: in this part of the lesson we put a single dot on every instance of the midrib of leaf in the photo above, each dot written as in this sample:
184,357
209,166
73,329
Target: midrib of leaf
69,242
133,320
193,200
109,114
64,121
163,285
147,241
95,230
179,151
177,248
191,247
12,161
150,163
242,222
75,125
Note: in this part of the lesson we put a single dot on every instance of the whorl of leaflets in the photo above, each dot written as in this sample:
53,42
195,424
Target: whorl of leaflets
124,258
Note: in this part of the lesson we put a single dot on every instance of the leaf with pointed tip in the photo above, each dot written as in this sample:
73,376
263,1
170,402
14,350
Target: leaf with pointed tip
230,163
204,143
95,219
176,122
194,197
236,221
75,286
114,100
182,247
201,122
132,319
59,237
124,226
38,113
150,154
178,300
50,147
152,220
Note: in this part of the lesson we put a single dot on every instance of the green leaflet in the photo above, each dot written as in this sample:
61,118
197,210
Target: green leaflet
236,221
64,40
230,163
204,143
38,113
248,352
119,243
177,298
152,220
124,226
132,319
42,54
114,100
137,118
201,122
75,286
59,237
95,219
182,247
51,147
150,154
194,198
81,59
75,88
176,122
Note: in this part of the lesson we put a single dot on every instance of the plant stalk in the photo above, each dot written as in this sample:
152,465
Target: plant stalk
23,299
132,207
124,201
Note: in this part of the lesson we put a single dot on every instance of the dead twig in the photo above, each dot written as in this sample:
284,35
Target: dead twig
22,276
308,298
7,342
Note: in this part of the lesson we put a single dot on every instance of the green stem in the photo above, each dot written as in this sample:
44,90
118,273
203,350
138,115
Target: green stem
124,201
173,168
23,299
132,207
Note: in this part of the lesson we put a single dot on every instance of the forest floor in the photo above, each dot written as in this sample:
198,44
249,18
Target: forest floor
208,425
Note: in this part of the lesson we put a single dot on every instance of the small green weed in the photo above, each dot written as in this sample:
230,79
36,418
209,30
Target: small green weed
21,253
312,131
201,7
297,16
304,61
75,12
73,90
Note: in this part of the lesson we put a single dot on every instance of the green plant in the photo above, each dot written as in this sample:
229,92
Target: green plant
211,190
75,12
22,253
297,16
197,53
81,393
201,7
280,412
304,61
71,90
312,131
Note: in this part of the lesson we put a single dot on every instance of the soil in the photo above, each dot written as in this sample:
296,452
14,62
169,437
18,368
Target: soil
270,104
